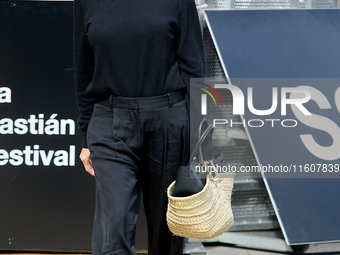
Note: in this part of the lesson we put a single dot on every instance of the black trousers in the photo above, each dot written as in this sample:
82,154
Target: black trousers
136,144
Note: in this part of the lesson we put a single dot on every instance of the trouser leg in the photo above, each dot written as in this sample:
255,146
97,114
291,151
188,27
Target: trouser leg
117,189
166,144
116,212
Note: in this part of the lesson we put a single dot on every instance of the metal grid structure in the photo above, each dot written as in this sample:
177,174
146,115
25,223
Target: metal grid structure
251,203
272,4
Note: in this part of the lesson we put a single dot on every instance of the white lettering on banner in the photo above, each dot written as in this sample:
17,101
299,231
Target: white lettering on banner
5,95
33,157
37,126
331,152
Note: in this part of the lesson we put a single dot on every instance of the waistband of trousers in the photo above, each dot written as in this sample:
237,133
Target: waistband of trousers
136,103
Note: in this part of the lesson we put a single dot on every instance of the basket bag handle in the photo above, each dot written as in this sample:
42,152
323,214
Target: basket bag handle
198,147
200,155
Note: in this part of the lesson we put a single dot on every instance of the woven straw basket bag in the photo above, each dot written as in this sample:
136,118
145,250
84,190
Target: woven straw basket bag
206,214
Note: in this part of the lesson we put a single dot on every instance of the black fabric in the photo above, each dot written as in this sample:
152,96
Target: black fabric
188,181
144,102
132,150
134,49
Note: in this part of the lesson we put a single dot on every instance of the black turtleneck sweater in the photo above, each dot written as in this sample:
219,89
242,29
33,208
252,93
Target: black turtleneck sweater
133,48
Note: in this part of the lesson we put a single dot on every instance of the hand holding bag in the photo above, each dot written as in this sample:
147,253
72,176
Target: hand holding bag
206,210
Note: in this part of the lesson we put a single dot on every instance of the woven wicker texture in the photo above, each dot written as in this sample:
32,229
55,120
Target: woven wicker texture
206,214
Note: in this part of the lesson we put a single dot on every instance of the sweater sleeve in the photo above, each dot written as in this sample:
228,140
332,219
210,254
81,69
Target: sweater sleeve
192,65
83,67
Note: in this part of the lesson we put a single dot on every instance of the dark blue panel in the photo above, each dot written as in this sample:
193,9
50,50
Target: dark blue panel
278,43
308,208
276,46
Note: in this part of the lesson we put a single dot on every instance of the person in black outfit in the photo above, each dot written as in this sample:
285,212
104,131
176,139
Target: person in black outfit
133,64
